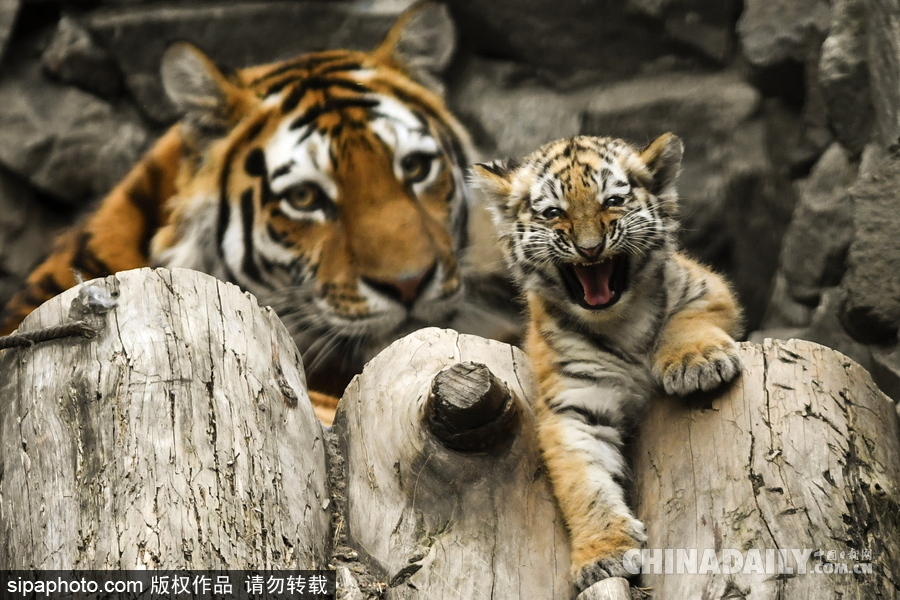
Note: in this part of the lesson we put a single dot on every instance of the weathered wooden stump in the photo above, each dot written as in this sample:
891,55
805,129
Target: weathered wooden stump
803,452
180,437
445,492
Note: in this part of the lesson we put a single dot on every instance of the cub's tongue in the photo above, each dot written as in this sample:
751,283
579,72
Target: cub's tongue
595,282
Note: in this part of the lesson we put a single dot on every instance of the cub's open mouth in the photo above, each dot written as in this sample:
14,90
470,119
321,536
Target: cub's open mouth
598,285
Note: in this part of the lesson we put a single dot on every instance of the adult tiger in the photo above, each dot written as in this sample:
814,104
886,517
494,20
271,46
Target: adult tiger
331,186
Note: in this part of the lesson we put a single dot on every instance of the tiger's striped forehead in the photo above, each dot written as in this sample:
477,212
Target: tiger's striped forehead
319,104
579,170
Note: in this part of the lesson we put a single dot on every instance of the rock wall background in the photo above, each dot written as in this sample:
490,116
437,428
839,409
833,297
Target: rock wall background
790,112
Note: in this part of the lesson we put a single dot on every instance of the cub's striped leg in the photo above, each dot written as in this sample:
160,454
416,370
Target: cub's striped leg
587,398
696,349
583,455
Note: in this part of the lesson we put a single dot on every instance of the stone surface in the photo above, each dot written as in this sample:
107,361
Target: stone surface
73,57
510,117
230,34
66,142
707,27
783,311
773,31
844,75
566,41
825,328
871,287
884,65
26,224
816,242
886,370
8,11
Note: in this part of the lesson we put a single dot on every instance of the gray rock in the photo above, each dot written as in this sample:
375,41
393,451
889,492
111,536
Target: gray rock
707,27
773,31
815,245
26,225
872,157
871,287
64,141
826,329
844,75
569,42
783,312
886,370
510,117
884,66
8,11
232,34
73,57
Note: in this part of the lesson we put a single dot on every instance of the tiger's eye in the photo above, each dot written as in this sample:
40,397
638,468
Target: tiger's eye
303,196
554,212
416,166
615,201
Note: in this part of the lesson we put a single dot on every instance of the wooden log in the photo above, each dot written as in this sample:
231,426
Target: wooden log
180,436
445,492
469,409
802,453
614,588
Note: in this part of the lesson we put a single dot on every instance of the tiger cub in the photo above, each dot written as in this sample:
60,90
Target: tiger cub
588,227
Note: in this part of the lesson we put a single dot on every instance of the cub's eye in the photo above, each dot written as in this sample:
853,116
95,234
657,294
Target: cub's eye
553,212
306,196
615,201
417,166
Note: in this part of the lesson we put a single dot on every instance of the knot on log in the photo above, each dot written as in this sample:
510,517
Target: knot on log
469,409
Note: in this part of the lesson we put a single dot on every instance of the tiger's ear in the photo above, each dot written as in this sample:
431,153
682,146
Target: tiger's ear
421,43
663,159
494,181
202,93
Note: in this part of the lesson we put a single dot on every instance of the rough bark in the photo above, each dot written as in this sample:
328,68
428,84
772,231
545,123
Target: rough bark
802,453
179,437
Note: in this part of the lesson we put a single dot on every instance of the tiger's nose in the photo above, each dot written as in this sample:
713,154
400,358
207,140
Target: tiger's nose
404,290
592,252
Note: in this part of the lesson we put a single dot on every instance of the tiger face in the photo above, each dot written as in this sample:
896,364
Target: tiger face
330,186
585,216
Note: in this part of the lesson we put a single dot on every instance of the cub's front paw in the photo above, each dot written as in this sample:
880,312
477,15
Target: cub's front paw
699,366
590,574
603,555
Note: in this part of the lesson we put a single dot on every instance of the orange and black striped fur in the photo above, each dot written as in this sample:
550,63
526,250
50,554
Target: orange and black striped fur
616,311
331,186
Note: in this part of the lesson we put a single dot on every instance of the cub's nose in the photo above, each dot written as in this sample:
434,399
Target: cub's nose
591,253
405,290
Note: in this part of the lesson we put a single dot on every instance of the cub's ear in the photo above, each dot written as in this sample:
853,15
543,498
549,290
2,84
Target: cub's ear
421,44
208,100
663,159
494,181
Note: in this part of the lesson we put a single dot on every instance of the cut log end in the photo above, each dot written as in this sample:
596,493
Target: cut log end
614,588
469,409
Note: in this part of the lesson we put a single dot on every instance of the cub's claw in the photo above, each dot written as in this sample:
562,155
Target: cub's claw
598,571
589,567
697,370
